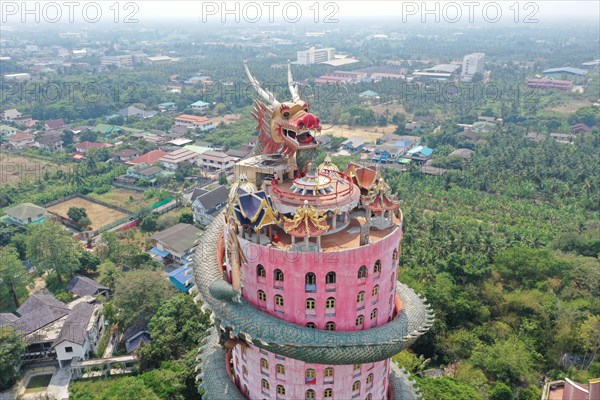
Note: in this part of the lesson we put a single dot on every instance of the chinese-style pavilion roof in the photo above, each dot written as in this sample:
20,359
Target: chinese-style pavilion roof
327,166
306,222
252,209
363,176
379,198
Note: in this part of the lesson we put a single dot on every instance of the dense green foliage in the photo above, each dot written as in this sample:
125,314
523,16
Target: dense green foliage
11,347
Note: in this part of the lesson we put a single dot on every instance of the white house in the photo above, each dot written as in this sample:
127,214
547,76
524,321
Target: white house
200,106
80,334
206,204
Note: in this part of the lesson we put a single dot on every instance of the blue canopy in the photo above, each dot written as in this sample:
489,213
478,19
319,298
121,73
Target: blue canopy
158,252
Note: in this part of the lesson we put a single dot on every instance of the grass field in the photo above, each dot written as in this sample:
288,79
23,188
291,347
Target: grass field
98,214
128,199
15,169
38,383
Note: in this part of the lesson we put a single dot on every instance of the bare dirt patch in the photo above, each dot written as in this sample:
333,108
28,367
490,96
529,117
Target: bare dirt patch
15,168
368,133
98,214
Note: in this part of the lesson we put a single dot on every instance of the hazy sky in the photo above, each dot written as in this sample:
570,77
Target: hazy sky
323,14
350,8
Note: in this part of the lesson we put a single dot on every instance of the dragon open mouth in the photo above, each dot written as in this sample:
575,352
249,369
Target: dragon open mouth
301,138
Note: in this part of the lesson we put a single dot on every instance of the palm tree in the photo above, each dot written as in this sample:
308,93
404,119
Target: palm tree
77,178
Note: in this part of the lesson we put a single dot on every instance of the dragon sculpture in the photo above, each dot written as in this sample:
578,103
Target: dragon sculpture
287,128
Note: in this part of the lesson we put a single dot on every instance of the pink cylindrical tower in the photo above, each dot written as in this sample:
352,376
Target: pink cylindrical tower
300,273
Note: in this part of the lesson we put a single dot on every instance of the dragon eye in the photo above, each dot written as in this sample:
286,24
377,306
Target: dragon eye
286,114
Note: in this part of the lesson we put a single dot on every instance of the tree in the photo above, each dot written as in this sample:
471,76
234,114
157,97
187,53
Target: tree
50,247
589,338
88,260
177,326
446,389
501,392
108,274
149,223
127,388
76,213
13,276
11,348
186,217
67,137
138,295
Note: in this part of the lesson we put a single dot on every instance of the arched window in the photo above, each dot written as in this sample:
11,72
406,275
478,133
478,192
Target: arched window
280,390
362,272
356,386
377,267
262,296
260,271
369,397
360,320
360,297
279,300
310,281
246,390
330,303
330,278
375,290
395,255
310,376
328,374
374,314
356,367
370,379
311,325
328,393
278,275
310,394
280,369
330,326
244,370
310,304
264,364
264,384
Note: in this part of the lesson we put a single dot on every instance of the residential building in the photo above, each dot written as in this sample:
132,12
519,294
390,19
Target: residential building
580,128
175,243
54,124
194,121
144,171
7,131
200,106
206,205
10,115
85,146
125,155
21,140
174,159
472,64
564,138
136,336
465,154
549,84
23,76
167,106
315,56
216,161
26,214
419,153
80,333
354,144
50,141
182,278
134,112
83,286
118,61
150,158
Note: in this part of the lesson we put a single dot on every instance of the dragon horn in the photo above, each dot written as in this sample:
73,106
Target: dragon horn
293,87
268,96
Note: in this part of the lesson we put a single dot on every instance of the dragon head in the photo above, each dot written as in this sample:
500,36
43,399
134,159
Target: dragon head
288,127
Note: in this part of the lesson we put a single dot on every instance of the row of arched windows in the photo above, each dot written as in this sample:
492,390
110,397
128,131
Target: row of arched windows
311,278
311,394
329,326
311,304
